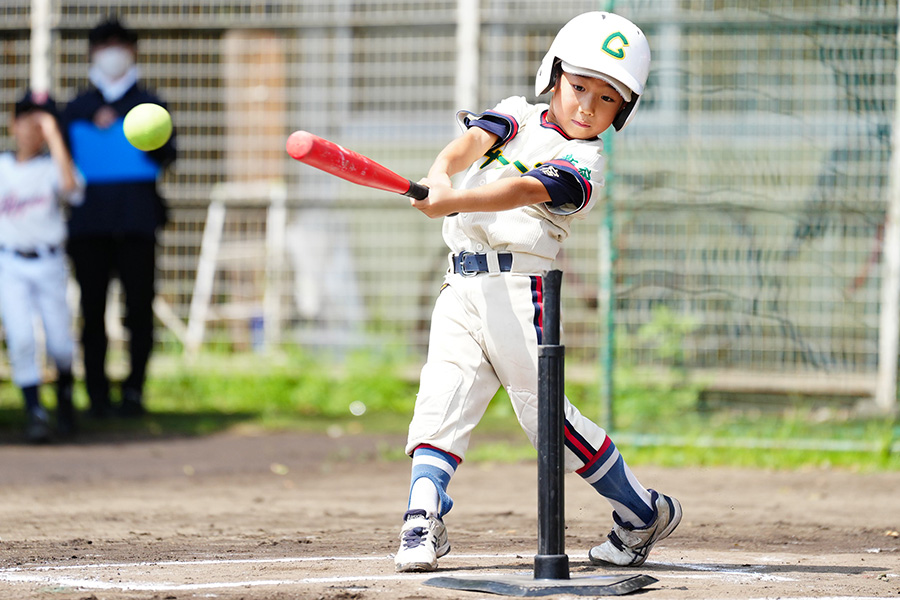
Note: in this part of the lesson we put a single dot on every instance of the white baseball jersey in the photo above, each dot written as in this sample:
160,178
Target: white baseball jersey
571,170
30,212
33,269
486,328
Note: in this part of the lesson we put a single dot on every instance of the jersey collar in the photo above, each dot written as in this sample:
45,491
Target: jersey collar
550,125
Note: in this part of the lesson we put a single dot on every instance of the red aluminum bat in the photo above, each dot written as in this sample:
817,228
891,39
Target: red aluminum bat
352,166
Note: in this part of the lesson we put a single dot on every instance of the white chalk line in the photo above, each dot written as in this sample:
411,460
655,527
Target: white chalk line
33,574
734,573
173,587
39,574
236,561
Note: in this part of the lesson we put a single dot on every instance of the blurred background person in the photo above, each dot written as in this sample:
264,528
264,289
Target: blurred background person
33,268
114,232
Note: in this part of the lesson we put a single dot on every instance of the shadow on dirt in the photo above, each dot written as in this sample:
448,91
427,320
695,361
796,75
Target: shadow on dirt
116,429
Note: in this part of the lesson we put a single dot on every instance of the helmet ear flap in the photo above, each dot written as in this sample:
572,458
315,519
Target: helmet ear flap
552,79
556,72
626,113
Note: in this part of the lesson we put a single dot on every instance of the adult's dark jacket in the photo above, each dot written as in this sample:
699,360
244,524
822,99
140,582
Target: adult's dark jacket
117,205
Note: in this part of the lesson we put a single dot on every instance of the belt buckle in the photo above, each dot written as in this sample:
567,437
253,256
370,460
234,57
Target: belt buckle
461,259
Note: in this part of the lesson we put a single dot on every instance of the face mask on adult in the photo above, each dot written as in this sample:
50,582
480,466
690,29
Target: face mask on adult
113,62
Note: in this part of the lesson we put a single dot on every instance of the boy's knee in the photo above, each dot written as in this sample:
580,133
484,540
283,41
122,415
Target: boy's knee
525,405
439,384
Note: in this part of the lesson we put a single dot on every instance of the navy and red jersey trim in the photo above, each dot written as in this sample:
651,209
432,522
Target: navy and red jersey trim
504,126
570,188
550,125
554,126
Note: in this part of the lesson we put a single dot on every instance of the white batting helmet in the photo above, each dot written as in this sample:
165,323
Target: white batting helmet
605,46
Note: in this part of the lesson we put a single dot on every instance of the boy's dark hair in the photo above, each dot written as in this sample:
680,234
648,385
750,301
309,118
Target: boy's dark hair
32,101
111,30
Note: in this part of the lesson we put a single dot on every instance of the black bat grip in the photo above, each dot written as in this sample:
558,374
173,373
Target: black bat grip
420,192
417,191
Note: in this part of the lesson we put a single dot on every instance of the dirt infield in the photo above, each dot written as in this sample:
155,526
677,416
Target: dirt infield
304,516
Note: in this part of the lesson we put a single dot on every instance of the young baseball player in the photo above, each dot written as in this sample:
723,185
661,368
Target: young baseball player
530,170
33,269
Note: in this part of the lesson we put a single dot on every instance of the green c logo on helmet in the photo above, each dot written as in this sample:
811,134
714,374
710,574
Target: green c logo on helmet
617,53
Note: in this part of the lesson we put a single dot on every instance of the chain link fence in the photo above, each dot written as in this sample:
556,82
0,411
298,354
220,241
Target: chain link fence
746,202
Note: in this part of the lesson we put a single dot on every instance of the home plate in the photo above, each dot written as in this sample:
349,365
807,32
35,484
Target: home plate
527,585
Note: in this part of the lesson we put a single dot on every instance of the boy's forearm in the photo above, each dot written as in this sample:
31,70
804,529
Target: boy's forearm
459,154
504,194
500,195
60,154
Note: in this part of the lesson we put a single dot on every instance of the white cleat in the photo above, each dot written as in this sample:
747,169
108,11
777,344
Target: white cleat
628,546
423,540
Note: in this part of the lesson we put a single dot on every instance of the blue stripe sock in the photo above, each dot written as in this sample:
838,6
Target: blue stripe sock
437,466
610,476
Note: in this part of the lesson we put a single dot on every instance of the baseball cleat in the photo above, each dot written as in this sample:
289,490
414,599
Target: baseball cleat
628,546
66,424
423,540
132,405
37,429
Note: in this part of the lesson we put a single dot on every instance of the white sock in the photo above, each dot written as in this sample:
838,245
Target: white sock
424,496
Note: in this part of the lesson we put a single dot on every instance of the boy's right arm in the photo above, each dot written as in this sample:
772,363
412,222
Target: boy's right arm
459,155
456,156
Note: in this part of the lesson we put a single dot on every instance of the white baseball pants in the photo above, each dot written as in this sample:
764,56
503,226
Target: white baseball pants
32,287
484,333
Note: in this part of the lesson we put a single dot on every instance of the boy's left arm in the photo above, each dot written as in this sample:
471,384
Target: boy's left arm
503,194
563,186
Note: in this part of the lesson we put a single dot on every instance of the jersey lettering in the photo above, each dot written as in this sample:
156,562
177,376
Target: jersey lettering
13,205
497,155
585,172
492,156
550,171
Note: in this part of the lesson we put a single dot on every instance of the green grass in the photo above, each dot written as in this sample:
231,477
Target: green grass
657,423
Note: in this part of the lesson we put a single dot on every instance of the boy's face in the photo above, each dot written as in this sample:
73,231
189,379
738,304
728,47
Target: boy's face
27,131
583,106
